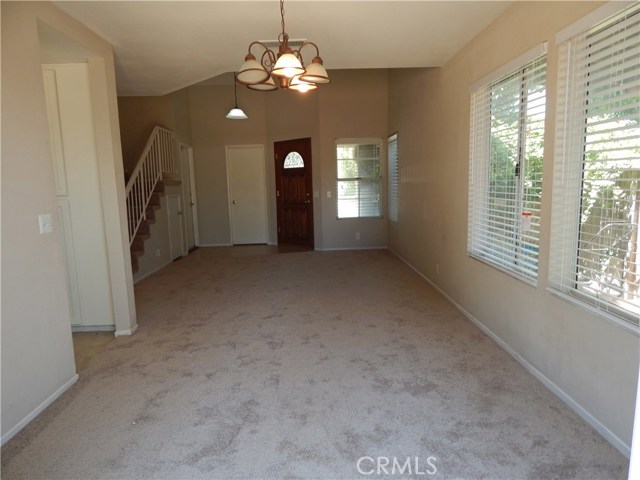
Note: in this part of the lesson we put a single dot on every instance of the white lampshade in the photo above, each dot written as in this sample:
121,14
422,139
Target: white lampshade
288,66
301,86
264,86
236,114
251,72
316,73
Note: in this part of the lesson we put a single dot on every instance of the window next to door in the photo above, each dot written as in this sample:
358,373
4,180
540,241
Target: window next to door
358,178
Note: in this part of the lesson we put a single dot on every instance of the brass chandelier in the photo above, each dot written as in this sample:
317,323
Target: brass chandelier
285,69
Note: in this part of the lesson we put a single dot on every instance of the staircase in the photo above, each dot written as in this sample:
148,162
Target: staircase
156,168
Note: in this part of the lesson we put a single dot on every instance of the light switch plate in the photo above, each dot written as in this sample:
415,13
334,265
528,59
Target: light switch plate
45,222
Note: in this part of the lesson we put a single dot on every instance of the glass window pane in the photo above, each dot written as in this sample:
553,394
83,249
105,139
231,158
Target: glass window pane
358,174
293,160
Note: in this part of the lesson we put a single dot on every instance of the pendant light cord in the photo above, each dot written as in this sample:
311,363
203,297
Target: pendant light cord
282,16
235,88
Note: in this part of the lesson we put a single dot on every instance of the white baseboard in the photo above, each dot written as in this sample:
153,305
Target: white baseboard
52,398
124,333
216,245
347,249
92,328
603,430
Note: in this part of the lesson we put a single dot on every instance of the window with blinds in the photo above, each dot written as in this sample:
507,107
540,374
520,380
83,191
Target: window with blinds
392,159
596,210
359,178
506,151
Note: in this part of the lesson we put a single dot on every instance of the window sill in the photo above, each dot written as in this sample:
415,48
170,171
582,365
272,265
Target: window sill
503,269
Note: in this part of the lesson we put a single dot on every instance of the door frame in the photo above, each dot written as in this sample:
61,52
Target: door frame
188,149
183,249
263,171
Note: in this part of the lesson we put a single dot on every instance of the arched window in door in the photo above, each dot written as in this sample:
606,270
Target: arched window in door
293,160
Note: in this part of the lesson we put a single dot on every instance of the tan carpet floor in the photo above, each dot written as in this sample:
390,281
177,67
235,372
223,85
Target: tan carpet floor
296,365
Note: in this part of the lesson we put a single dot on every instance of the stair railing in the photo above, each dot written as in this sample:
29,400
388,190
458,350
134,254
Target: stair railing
158,157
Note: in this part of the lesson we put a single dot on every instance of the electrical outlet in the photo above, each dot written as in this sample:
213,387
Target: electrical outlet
158,252
328,193
357,235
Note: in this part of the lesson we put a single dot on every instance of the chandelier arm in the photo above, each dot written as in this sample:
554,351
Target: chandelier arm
257,43
305,43
298,52
268,59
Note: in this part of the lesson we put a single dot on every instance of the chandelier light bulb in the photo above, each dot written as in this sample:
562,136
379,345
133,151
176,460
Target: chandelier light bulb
288,66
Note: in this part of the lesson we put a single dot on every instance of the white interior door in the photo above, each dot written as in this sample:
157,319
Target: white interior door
176,233
247,194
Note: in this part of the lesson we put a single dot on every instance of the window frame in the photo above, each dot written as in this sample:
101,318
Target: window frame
569,229
511,254
376,179
393,173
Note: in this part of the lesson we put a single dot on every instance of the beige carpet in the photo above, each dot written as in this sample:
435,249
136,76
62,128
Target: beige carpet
296,365
87,345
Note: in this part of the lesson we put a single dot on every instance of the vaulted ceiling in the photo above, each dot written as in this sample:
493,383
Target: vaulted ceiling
162,46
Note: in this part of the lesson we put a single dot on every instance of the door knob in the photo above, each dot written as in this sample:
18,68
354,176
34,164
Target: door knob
235,203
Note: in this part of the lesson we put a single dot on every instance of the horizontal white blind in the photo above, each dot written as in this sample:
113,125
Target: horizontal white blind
595,239
392,159
507,135
359,176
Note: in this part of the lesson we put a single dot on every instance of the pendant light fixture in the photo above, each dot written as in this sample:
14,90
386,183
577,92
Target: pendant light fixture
285,69
236,112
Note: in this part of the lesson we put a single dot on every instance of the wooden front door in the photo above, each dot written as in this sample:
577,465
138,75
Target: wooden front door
294,195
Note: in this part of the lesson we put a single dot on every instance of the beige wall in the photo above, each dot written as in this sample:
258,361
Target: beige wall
139,115
591,362
354,105
211,131
37,354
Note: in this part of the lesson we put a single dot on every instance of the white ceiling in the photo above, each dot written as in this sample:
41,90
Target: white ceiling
162,46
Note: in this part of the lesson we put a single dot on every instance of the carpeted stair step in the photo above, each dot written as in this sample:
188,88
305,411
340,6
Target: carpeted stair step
144,231
154,201
159,188
137,246
150,214
171,178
